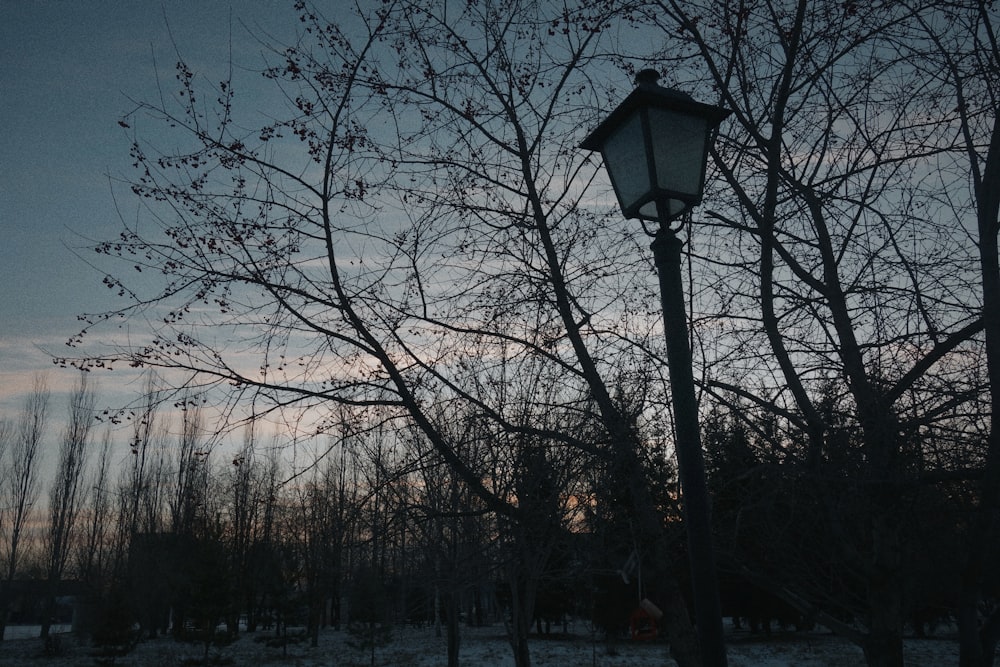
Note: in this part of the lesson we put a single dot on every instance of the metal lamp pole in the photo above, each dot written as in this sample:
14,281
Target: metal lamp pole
690,462
655,147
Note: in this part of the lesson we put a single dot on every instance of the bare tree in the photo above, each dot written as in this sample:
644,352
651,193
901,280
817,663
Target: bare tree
964,47
6,438
439,527
836,263
263,571
191,477
142,479
94,547
147,470
470,248
413,232
247,494
450,528
320,527
21,490
64,498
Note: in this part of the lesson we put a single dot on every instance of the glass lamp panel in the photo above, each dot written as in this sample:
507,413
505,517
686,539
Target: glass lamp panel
625,158
675,207
648,211
678,151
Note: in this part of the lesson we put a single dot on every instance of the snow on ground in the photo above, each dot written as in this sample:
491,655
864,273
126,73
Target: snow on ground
487,646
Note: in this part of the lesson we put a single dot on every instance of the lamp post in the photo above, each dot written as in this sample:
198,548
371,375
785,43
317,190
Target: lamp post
655,147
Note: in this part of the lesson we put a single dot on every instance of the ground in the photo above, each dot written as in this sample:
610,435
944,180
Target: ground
480,646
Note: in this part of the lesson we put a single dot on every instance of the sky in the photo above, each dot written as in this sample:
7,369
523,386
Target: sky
69,71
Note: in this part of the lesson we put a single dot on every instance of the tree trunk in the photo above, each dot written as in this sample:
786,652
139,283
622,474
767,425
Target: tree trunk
977,647
453,629
437,605
43,634
970,648
680,633
49,610
883,647
4,604
522,605
990,637
519,640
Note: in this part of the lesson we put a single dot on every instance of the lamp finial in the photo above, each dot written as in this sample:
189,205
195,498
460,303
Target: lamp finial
647,77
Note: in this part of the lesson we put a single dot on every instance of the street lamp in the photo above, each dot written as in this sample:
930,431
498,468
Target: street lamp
655,147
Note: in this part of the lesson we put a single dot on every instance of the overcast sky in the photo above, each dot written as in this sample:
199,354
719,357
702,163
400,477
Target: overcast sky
67,71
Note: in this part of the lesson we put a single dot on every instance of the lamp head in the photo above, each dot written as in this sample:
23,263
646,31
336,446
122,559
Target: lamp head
655,147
